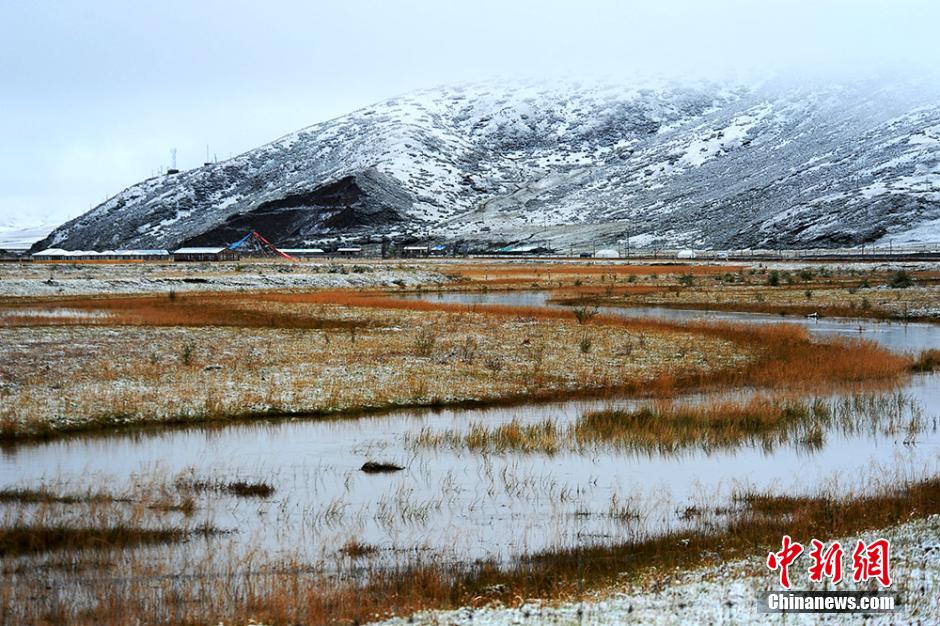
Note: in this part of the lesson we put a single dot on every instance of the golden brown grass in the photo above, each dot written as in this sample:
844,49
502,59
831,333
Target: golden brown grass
927,361
44,495
21,540
668,426
356,549
787,355
184,310
350,351
544,436
826,292
369,358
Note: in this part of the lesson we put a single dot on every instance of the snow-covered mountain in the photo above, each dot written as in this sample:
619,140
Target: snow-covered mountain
16,237
704,165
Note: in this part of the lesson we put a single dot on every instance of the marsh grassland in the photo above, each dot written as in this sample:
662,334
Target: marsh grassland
337,443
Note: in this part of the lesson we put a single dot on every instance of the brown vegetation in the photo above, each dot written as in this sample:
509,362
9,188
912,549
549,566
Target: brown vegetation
288,593
667,427
239,488
927,361
372,357
20,540
186,358
349,351
823,291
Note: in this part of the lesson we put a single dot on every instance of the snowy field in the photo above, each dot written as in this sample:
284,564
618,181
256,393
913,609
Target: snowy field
725,594
88,279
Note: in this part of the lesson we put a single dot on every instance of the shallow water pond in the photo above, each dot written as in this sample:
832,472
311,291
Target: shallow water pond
898,336
456,503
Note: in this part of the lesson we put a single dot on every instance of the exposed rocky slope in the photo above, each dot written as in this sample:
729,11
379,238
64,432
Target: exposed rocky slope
701,165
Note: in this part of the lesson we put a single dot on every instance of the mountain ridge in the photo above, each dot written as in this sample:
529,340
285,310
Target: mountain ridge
704,165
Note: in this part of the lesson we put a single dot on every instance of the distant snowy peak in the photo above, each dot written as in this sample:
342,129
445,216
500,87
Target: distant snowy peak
16,237
697,165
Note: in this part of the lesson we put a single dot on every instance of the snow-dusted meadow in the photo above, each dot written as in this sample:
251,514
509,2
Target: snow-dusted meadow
275,344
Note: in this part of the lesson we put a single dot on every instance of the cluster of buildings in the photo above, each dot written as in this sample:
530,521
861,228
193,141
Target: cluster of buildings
57,254
189,254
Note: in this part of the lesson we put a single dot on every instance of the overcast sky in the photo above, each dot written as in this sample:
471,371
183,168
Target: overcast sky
95,93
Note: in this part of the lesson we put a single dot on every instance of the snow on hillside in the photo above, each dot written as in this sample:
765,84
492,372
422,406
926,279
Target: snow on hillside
13,237
697,165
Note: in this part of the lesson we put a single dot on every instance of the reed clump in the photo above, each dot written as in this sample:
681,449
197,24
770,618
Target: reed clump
27,539
668,427
544,436
356,549
44,495
237,488
927,361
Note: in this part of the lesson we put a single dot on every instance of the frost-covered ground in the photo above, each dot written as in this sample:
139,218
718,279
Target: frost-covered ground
69,280
726,594
833,290
114,374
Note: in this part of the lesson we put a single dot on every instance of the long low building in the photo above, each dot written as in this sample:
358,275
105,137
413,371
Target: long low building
302,253
413,251
205,254
60,255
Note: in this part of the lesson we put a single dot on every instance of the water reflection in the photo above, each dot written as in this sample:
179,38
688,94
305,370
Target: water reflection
458,502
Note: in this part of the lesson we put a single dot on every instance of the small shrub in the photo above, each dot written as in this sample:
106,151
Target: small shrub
244,489
467,351
187,356
583,314
585,344
901,280
355,549
927,361
425,341
773,279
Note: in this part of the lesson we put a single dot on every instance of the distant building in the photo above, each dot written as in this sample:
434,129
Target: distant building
523,250
349,251
63,256
139,255
415,251
303,253
205,254
58,254
607,253
438,250
686,254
